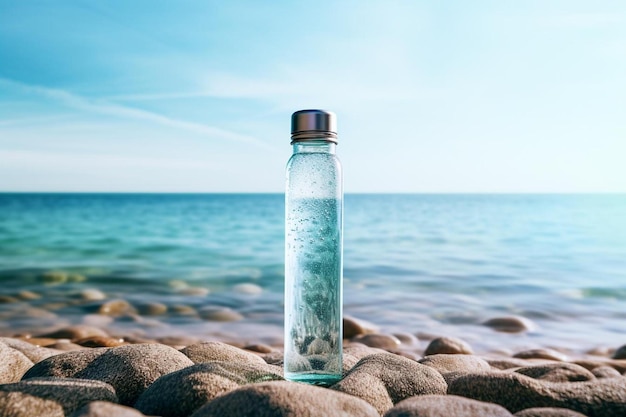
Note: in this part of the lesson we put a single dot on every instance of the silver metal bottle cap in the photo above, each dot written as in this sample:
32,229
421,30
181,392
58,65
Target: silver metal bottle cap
313,124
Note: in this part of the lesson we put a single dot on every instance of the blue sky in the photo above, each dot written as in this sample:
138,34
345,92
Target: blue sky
196,96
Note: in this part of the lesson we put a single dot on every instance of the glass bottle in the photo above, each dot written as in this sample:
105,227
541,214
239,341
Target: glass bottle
313,251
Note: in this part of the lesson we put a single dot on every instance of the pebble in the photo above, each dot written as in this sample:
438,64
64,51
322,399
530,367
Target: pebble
285,399
75,332
248,288
131,369
28,295
354,327
375,380
605,372
445,406
445,363
548,412
544,353
448,345
70,394
377,340
509,363
18,404
32,352
407,339
183,310
557,372
100,341
152,309
219,314
182,392
260,348
106,409
64,365
620,353
92,294
510,324
515,392
218,351
116,308
13,364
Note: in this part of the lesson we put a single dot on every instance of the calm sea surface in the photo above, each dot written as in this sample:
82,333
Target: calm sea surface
436,264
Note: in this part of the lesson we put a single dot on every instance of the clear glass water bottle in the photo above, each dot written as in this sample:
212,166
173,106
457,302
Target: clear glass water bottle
313,251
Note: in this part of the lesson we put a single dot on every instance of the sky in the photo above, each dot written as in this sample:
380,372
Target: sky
196,96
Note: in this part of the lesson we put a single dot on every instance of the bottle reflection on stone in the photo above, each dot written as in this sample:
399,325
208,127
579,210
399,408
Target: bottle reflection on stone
313,252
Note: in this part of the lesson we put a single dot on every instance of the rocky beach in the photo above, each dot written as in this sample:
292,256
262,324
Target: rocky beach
83,370
172,305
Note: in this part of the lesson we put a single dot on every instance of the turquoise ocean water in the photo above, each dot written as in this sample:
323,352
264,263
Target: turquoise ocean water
436,264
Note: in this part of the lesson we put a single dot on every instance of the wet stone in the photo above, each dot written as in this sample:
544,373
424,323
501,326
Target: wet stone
116,308
545,353
377,340
353,327
152,309
510,324
448,345
219,314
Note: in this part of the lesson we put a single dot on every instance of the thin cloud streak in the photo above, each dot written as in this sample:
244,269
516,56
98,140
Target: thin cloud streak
106,108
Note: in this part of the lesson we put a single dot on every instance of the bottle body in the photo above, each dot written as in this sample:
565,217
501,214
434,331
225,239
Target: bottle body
313,264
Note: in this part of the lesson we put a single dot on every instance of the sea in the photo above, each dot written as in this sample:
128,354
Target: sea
211,266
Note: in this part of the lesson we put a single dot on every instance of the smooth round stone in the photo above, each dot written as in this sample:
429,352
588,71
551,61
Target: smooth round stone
515,392
620,353
182,392
40,341
219,314
248,288
131,369
32,352
218,351
65,346
375,380
19,404
510,324
183,310
116,308
548,412
71,394
557,372
285,399
13,364
37,313
543,353
448,346
182,341
75,332
407,339
605,372
100,341
92,294
106,409
353,327
445,406
152,309
260,348
376,340
28,295
445,363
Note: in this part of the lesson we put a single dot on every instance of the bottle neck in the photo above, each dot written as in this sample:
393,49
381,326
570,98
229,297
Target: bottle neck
314,146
